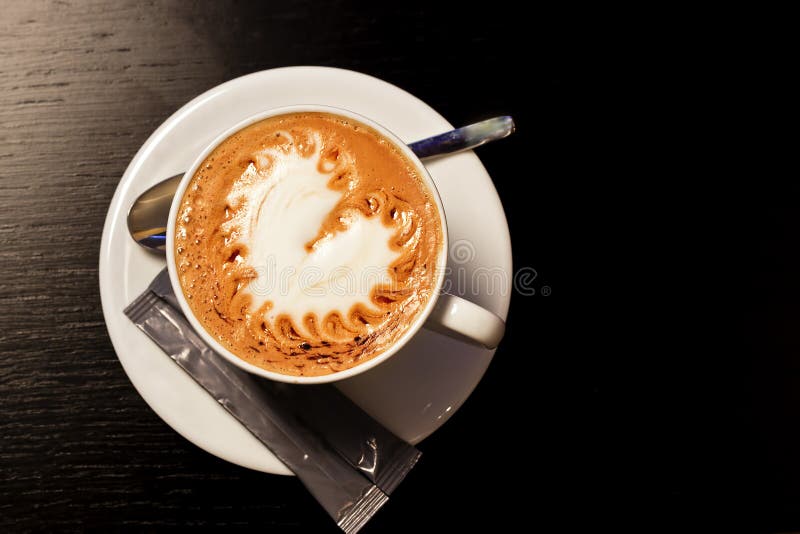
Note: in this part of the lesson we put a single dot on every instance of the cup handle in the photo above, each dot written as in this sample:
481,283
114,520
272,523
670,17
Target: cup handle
464,320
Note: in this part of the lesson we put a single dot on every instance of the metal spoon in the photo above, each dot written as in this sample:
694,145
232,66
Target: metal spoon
148,215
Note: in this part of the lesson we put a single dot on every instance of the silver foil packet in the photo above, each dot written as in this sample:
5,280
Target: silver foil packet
348,461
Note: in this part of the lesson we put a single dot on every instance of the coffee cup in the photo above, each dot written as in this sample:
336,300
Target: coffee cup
268,167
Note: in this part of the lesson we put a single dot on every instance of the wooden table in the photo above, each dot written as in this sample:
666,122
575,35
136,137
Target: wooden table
84,83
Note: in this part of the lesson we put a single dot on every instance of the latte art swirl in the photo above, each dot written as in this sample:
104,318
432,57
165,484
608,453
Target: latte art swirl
307,243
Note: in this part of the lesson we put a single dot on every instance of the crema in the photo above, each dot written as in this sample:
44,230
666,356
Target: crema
307,243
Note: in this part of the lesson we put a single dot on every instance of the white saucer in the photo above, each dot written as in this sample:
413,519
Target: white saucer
415,391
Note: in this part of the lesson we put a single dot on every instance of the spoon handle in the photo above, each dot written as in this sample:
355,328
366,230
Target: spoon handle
464,138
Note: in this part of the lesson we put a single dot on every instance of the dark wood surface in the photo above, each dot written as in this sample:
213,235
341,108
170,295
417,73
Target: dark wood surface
83,84
612,439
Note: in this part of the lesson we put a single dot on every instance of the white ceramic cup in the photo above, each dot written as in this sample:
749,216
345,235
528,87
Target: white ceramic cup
443,312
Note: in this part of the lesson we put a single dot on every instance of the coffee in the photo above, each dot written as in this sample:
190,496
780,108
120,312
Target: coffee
307,243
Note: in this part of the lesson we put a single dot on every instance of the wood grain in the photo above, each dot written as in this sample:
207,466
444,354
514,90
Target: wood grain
82,85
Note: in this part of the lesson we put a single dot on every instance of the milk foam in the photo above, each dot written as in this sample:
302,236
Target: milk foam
277,206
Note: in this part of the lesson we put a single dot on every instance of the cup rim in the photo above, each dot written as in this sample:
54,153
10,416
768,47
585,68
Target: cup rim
420,318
